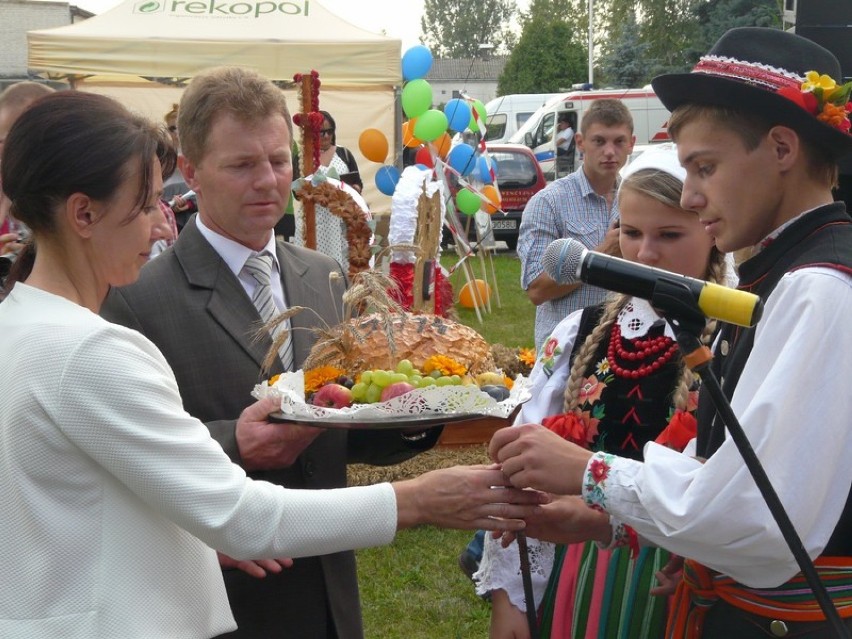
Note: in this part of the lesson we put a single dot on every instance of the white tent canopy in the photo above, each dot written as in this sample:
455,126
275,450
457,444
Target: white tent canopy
175,39
178,38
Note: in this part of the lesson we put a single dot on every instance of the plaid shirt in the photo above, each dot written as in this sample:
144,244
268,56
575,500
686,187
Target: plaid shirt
566,208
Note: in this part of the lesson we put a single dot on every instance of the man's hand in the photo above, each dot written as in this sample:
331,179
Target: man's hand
264,445
257,568
535,457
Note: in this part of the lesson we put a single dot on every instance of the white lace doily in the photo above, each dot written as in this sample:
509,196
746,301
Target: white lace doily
433,400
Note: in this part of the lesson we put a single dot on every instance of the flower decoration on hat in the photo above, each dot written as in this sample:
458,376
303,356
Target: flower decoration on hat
820,95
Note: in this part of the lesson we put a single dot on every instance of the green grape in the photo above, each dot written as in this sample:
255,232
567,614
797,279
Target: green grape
398,377
359,391
374,393
405,366
366,377
426,381
455,380
381,378
415,380
444,381
435,374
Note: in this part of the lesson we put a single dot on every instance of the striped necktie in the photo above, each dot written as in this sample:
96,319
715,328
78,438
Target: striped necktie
259,267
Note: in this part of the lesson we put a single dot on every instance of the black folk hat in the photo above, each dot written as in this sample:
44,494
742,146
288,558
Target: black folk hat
762,71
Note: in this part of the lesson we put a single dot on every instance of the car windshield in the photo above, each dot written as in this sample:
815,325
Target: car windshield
514,170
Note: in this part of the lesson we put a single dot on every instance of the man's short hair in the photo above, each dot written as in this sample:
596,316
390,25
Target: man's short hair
608,112
22,94
751,129
242,93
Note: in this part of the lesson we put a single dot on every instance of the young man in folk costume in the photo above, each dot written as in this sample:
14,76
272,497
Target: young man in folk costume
760,125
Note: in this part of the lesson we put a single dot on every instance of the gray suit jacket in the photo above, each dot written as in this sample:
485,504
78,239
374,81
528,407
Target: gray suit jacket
194,309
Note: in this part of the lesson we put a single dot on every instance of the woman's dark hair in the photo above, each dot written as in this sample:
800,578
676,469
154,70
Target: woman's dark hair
333,124
73,142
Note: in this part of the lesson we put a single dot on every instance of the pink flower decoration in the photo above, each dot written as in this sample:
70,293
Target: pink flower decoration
599,470
590,390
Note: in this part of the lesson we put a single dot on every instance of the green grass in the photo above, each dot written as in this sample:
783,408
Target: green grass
512,321
413,588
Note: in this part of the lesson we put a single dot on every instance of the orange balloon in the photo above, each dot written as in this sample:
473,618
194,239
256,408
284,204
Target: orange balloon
374,145
466,297
442,145
408,138
493,204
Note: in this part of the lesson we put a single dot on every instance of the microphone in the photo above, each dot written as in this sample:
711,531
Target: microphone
567,261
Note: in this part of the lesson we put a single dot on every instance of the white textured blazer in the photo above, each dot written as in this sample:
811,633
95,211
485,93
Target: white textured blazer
113,496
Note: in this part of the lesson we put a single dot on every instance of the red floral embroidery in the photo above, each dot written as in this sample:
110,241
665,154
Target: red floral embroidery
599,470
682,428
550,347
590,390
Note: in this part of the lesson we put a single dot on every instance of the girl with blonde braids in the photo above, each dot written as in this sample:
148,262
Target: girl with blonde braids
610,378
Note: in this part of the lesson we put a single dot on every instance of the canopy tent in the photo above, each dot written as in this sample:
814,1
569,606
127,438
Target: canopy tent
172,40
177,38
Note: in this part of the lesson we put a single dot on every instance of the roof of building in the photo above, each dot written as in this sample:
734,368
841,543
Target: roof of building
467,69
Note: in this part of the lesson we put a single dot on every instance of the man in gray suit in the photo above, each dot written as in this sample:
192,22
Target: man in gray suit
195,303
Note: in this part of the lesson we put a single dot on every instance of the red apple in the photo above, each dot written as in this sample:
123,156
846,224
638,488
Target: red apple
395,390
332,396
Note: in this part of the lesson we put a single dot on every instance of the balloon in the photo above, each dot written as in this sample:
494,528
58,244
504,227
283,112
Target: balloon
408,138
442,145
458,114
374,145
466,297
416,62
482,171
467,201
493,203
480,110
424,156
462,159
416,98
386,179
430,125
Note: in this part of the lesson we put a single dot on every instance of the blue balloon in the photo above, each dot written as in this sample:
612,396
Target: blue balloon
386,179
458,114
416,62
482,170
462,158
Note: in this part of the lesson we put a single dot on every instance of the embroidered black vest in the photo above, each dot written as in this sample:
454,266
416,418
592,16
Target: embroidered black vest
820,238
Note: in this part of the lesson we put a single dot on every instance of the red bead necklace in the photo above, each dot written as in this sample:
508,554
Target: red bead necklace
644,349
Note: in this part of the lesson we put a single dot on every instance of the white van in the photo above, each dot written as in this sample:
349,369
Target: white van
650,121
508,113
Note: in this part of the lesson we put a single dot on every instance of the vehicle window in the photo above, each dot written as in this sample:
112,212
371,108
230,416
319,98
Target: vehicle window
520,118
495,126
515,170
544,133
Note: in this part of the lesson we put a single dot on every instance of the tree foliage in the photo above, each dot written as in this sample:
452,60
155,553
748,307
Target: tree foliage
625,64
549,55
456,28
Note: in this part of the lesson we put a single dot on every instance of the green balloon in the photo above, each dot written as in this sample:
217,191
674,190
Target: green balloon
416,98
480,110
430,125
467,201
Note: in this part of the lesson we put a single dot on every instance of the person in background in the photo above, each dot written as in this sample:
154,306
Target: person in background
337,157
14,100
583,389
114,497
564,144
580,206
195,303
760,125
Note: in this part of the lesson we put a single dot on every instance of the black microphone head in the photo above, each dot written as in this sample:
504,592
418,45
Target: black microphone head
562,259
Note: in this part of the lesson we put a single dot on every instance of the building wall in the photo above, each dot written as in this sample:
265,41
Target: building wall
16,18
